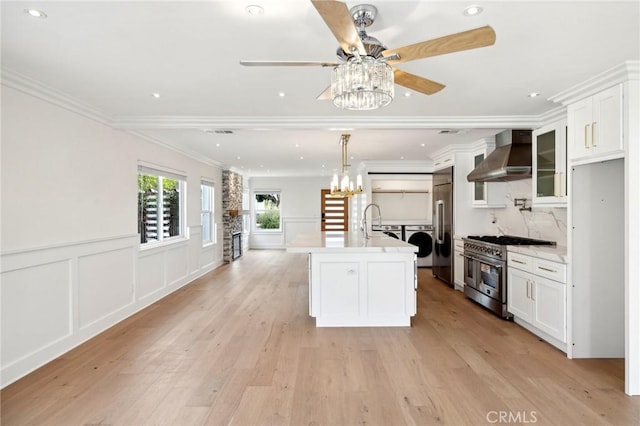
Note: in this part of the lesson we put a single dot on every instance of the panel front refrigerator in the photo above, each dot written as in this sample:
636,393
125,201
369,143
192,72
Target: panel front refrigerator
443,225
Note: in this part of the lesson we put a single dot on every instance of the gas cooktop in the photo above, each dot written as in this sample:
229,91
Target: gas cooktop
508,240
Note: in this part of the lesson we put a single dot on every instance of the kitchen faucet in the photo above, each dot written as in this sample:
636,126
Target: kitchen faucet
365,232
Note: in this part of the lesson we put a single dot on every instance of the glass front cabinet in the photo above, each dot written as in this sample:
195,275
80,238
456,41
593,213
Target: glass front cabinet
487,194
550,165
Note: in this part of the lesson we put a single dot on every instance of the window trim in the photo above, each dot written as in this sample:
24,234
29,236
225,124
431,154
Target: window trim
160,172
212,224
254,216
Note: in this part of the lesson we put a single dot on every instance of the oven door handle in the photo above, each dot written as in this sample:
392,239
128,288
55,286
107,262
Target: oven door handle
482,261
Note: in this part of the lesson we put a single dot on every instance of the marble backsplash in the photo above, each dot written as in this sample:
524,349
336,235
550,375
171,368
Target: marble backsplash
540,223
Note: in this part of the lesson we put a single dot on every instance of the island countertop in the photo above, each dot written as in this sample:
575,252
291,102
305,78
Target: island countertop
348,242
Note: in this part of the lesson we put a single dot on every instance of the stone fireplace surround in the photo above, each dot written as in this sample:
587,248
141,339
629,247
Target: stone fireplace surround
231,201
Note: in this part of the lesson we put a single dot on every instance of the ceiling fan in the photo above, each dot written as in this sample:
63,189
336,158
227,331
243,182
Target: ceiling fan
349,28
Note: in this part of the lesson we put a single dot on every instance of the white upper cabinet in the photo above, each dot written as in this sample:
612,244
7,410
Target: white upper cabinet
595,127
487,194
550,165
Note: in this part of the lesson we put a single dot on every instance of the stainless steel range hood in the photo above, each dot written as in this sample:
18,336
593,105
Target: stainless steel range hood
511,160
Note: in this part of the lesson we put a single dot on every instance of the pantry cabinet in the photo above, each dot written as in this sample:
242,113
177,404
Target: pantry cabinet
550,165
595,127
537,296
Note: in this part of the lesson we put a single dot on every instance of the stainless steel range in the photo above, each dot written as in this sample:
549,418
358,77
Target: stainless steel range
485,269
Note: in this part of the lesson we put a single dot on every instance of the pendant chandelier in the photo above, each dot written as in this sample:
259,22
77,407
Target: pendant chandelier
362,83
343,186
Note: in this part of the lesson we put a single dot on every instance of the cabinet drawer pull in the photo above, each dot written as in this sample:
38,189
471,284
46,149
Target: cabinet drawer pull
518,261
547,269
586,133
593,134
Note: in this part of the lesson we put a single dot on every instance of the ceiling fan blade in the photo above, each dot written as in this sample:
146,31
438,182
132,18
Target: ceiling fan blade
326,95
419,84
337,17
472,39
288,64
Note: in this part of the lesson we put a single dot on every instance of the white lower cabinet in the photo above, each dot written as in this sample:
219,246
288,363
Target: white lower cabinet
363,290
458,264
537,296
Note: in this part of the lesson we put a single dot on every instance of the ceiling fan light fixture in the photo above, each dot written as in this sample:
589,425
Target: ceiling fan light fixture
362,83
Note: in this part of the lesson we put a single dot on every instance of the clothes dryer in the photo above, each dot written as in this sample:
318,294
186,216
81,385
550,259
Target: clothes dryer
421,236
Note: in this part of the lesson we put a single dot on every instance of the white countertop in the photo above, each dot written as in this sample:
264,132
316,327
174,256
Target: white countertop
553,253
348,242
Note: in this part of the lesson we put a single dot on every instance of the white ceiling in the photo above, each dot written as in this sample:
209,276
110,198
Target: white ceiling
112,55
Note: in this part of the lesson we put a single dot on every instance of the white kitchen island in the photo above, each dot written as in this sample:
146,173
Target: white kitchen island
357,282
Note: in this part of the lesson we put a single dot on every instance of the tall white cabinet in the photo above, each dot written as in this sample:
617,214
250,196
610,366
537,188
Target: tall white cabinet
603,116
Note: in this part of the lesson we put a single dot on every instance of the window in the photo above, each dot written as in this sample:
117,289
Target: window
267,210
160,205
206,215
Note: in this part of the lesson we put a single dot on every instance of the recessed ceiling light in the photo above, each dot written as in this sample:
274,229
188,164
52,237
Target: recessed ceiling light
217,145
155,95
407,94
422,145
297,145
301,157
282,94
402,157
36,13
533,94
254,9
472,11
238,157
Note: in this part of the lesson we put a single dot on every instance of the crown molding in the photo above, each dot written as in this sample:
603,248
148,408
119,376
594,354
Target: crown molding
35,88
556,114
38,90
185,152
327,123
397,166
629,70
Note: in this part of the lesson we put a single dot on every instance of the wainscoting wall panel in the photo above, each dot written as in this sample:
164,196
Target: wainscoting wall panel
105,284
43,289
176,263
80,289
299,225
150,276
291,226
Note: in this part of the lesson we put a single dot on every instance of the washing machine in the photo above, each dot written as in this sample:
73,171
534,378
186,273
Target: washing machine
394,231
421,236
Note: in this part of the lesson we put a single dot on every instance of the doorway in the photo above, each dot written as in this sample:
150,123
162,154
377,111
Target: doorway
334,212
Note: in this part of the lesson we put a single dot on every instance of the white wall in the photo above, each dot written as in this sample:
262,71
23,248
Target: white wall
299,208
71,263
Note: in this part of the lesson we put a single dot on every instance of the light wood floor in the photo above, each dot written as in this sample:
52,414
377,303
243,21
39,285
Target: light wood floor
238,347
